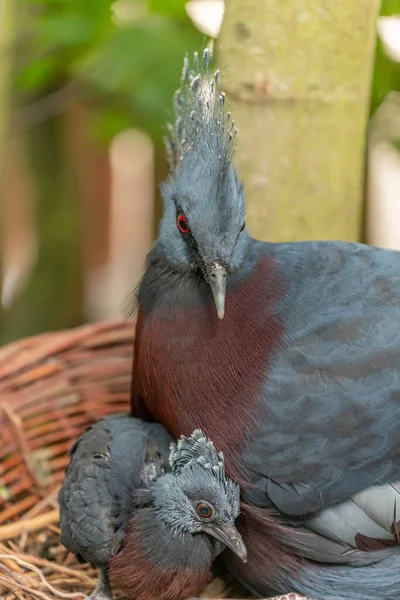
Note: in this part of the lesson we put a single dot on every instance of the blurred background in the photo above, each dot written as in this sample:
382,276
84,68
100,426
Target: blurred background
86,87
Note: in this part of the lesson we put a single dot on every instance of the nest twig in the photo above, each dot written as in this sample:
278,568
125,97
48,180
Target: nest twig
33,564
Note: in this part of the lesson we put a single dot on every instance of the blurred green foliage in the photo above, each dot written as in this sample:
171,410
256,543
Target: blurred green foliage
123,58
130,69
386,75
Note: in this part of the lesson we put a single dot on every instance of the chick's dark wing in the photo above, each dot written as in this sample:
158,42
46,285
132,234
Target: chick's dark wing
106,467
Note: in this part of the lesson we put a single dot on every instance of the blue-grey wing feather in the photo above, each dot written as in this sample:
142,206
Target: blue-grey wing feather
333,389
108,463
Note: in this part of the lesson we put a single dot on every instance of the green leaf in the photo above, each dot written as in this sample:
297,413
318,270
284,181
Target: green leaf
140,66
170,8
390,7
67,30
386,76
37,75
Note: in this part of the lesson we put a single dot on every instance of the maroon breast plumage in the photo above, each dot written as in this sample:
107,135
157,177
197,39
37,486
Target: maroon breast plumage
186,357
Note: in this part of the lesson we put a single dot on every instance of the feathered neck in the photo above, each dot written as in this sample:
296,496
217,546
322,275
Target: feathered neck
155,562
165,284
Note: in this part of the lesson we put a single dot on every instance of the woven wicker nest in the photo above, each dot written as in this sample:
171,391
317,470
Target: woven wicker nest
53,386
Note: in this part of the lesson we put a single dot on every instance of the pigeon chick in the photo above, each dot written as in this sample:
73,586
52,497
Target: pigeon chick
151,515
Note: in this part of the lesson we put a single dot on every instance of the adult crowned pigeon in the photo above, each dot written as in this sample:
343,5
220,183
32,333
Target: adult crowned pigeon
287,356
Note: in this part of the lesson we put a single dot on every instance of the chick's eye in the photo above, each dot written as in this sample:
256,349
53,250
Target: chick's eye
182,223
242,227
204,510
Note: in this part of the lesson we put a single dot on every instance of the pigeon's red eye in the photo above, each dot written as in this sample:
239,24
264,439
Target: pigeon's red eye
242,227
204,510
182,223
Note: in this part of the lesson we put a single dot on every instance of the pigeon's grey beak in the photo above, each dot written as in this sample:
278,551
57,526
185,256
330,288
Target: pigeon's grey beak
228,535
217,279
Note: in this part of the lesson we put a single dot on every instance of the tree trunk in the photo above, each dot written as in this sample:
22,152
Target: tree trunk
7,30
7,26
298,75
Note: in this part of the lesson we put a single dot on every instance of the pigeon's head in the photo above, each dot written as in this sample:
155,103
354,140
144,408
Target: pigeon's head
203,227
197,496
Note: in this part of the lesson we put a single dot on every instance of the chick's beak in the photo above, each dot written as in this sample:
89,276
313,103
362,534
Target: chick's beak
228,535
217,279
